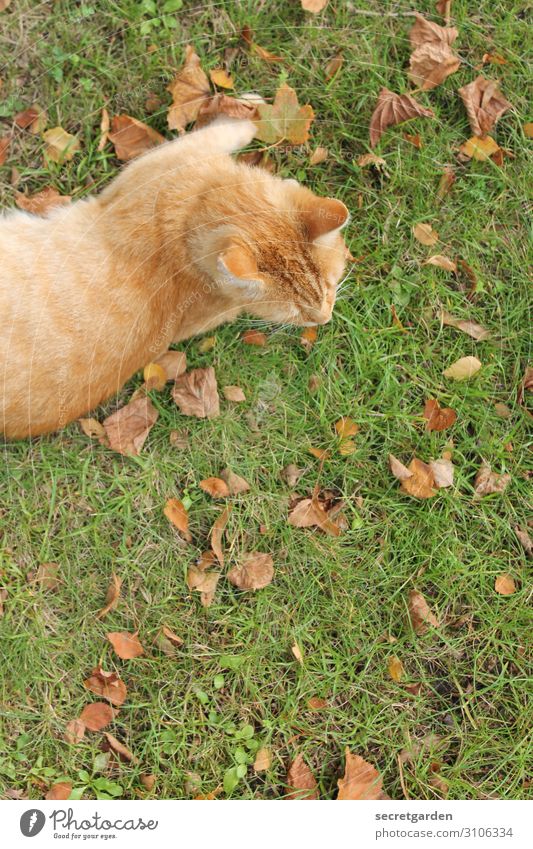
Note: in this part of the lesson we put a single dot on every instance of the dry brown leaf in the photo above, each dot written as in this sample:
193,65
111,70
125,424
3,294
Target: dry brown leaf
479,148
174,363
221,104
178,516
442,470
301,782
437,417
221,78
60,790
131,137
488,482
108,685
398,469
105,126
189,90
346,427
430,64
155,377
446,181
309,513
484,103
505,585
392,109
3,597
525,540
122,751
421,483
41,202
203,581
46,576
169,635
373,160
526,385
148,781
254,572
266,55
216,534
97,715
415,140
285,119
333,66
395,668
60,145
444,7
5,141
463,368
74,731
420,613
126,645
292,474
425,234
236,484
263,759
112,596
442,262
319,155
314,6
472,328
92,428
424,32
254,337
316,703
297,653
528,130
128,428
216,487
319,453
308,337
196,393
234,393
361,780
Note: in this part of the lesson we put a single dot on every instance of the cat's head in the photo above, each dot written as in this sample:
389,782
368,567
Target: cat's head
284,258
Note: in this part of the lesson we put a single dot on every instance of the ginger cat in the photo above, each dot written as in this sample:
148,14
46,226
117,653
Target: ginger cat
185,238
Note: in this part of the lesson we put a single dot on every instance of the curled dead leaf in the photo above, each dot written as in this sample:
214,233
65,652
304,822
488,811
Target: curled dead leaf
33,119
319,155
189,90
127,429
216,534
254,337
479,148
333,66
310,513
398,469
120,749
421,483
488,482
221,78
108,685
431,63
346,427
112,596
236,484
263,759
234,393
424,32
204,581
292,474
178,516
196,393
215,487
131,137
395,668
92,428
472,328
484,103
442,262
74,731
442,470
222,104
60,145
155,376
392,109
254,572
420,614
437,417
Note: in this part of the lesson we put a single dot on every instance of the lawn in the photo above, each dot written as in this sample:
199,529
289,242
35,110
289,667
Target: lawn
458,722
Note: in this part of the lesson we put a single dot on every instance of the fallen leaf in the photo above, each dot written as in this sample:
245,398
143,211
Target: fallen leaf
196,393
373,160
430,64
33,119
3,597
488,482
314,6
60,145
119,748
316,703
398,469
254,337
155,376
309,513
420,613
189,90
216,487
528,130
221,104
392,109
128,428
484,103
437,417
60,790
395,669
174,363
108,685
112,596
319,453
502,410
297,653
505,585
178,516
415,140
301,782
361,781
254,572
463,369
526,385
314,383
221,78
442,262
266,55
207,344
41,202
421,483
525,540
234,393
425,234
442,470
131,137
347,447
263,759
92,428
74,731
97,715
148,781
479,148
446,181
333,66
292,474
319,155
105,126
126,646
493,59
5,141
472,328
285,119
346,427
443,7
169,635
216,534
203,581
424,32
236,484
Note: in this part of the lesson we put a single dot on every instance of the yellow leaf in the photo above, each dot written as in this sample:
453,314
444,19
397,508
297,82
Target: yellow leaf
60,145
425,234
155,376
478,148
395,668
285,119
463,368
221,78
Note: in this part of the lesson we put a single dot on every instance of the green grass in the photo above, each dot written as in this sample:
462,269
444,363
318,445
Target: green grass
343,600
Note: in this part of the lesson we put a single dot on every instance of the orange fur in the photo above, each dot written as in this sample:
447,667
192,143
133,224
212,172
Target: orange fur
185,238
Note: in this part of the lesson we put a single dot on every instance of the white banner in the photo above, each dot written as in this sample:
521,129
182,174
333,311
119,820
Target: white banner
266,825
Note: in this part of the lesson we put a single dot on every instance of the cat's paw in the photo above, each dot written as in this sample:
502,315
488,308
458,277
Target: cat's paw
234,133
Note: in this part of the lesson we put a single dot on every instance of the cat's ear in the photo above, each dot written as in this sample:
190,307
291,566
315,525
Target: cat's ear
324,217
238,265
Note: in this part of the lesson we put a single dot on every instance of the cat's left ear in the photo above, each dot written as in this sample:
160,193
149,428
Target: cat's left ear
238,265
324,217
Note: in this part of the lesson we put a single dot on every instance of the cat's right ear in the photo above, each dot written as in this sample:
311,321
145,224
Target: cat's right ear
237,265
